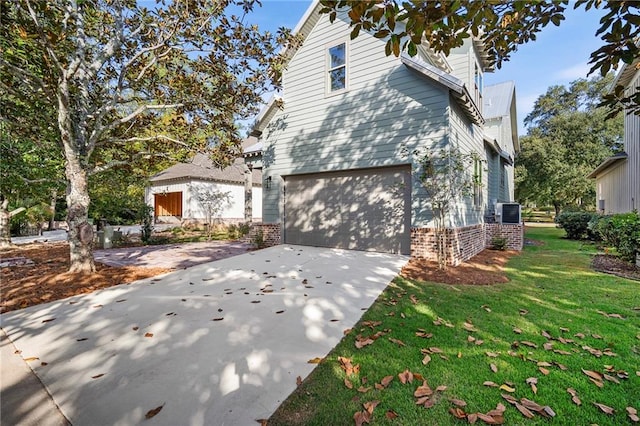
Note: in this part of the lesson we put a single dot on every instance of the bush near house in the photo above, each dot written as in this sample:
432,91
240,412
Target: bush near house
621,231
575,224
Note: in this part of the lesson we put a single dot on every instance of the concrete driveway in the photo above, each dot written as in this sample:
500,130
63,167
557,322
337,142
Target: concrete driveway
220,343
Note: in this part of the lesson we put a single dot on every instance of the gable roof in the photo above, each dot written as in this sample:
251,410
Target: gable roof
454,84
500,102
608,163
497,99
202,168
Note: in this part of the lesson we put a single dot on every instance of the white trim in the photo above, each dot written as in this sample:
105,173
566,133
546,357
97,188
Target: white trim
327,67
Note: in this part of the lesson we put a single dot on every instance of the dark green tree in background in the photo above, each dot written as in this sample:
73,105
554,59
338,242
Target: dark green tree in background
568,136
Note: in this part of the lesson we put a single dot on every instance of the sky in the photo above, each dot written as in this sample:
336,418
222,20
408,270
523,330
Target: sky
558,56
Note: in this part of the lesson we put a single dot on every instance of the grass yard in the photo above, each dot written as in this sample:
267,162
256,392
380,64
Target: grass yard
554,319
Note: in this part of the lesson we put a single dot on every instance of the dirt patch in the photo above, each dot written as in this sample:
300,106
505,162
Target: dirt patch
47,279
613,265
483,269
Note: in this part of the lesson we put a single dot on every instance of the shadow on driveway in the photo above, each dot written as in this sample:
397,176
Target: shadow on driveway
220,343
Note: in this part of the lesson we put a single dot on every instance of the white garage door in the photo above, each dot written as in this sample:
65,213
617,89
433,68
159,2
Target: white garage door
366,209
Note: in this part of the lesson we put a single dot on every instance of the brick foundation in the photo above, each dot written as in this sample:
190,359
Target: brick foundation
464,243
270,233
514,234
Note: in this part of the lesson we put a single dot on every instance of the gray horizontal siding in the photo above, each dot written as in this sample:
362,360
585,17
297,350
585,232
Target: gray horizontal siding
386,111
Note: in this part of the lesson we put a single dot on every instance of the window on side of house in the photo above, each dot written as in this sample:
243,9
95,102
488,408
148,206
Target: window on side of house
337,68
477,183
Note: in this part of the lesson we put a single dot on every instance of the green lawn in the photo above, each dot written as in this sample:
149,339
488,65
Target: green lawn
552,290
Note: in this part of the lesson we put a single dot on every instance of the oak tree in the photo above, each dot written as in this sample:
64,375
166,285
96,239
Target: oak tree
113,69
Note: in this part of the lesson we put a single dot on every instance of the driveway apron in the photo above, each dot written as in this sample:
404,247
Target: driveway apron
220,343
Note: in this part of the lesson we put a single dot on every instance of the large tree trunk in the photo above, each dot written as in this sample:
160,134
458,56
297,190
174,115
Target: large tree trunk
80,231
5,226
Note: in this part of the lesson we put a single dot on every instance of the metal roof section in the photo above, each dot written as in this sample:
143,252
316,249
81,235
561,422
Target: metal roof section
454,84
202,168
608,163
497,99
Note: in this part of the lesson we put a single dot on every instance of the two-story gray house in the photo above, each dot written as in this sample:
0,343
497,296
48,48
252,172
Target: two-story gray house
337,146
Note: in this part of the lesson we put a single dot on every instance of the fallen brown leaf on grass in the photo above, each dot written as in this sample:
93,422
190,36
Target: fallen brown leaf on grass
517,330
391,415
633,414
426,360
525,411
298,381
405,377
574,396
423,390
348,367
468,326
348,383
396,341
490,384
604,408
459,402
533,381
315,360
493,367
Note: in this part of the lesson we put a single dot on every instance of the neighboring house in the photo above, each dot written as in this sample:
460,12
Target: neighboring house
337,149
501,142
618,177
179,193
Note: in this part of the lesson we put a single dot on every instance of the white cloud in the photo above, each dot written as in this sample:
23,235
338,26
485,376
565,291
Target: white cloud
573,73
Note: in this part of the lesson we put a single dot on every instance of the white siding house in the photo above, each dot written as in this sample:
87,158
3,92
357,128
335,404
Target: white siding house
337,148
178,194
618,177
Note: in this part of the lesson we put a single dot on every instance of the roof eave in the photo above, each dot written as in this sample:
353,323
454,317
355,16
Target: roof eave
454,84
608,163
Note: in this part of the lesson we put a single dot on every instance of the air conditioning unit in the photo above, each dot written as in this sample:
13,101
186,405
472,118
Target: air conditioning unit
509,213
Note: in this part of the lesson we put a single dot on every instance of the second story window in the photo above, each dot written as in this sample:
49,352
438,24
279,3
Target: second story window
478,79
337,68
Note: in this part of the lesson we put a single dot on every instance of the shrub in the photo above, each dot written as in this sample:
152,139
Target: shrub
258,239
575,224
621,231
499,243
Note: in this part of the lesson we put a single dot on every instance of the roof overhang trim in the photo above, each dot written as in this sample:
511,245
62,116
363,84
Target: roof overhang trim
454,84
606,164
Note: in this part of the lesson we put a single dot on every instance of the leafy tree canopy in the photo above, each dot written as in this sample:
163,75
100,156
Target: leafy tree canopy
127,81
568,137
501,25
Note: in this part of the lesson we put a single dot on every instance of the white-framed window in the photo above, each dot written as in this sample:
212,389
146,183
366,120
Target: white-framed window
337,72
477,183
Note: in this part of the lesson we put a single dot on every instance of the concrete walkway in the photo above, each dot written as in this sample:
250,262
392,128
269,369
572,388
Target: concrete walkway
220,343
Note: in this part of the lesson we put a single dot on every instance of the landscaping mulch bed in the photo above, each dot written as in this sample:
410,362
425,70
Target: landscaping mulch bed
485,268
614,265
38,274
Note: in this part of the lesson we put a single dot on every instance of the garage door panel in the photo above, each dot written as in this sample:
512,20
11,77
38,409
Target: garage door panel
364,209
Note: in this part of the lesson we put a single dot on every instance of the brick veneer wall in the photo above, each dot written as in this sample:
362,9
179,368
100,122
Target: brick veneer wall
513,233
270,233
466,242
